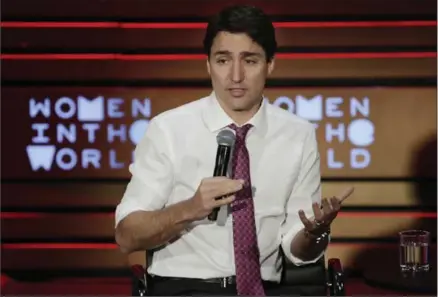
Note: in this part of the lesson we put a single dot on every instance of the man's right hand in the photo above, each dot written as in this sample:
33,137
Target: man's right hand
204,200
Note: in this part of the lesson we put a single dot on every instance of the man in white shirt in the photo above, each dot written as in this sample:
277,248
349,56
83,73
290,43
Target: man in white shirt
171,192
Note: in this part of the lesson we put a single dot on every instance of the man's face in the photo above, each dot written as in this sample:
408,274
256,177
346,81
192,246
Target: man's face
238,70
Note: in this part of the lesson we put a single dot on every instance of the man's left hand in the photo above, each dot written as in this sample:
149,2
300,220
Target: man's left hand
325,213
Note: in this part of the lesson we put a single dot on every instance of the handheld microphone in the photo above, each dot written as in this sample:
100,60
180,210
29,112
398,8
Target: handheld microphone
225,140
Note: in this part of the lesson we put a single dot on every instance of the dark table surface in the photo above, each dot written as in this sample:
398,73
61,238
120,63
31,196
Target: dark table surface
391,277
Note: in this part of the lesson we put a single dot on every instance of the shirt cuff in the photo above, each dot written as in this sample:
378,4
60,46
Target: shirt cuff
124,209
286,243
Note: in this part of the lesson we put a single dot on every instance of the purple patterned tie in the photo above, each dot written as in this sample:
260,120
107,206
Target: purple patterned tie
246,251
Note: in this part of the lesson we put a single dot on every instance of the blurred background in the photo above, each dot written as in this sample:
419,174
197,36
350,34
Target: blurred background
81,79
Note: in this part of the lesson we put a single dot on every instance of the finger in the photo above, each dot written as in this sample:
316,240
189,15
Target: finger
345,194
220,179
242,181
317,211
306,222
326,208
226,187
224,201
208,181
336,205
217,178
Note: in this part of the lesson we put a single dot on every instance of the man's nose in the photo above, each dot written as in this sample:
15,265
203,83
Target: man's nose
237,72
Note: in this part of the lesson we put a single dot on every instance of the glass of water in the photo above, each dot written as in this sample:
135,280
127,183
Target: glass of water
414,250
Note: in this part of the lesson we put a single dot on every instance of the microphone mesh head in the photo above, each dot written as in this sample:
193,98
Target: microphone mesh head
226,137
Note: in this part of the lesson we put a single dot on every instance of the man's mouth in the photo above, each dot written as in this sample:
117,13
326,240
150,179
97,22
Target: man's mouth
237,92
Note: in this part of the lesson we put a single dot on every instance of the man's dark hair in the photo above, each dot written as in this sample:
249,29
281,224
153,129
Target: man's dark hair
243,19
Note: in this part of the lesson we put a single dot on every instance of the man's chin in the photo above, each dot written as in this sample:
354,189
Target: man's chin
240,108
239,104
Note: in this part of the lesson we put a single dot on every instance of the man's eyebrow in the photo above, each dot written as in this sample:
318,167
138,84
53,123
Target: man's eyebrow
244,54
251,54
223,52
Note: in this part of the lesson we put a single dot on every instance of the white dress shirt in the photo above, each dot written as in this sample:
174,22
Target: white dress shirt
178,150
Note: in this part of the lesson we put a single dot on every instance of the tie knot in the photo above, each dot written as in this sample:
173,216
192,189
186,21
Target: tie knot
241,131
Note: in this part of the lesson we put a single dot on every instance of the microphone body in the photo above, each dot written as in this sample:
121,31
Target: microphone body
222,159
225,141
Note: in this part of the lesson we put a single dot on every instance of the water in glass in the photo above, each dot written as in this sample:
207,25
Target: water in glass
414,250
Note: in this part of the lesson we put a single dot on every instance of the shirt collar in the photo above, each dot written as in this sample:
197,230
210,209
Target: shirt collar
216,118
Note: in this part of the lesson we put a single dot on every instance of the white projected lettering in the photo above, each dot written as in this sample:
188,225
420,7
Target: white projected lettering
39,107
91,128
91,110
358,131
113,160
40,136
92,119
114,107
116,133
88,133
335,131
65,133
65,108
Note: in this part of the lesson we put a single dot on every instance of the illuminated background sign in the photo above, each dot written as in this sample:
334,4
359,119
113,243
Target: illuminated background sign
359,131
97,129
92,132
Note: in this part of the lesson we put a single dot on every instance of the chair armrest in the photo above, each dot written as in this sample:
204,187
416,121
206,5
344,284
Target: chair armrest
139,280
307,275
335,277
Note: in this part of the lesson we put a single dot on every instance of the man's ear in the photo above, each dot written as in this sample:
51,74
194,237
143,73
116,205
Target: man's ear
271,65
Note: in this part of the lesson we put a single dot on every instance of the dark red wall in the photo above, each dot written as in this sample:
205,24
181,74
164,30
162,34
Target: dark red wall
62,220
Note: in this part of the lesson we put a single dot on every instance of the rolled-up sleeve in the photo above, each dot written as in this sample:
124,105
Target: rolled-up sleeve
307,190
151,174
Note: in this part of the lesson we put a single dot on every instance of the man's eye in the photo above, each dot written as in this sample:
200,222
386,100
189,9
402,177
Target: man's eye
221,61
251,61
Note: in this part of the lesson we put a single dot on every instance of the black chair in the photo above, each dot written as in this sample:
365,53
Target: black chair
308,280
